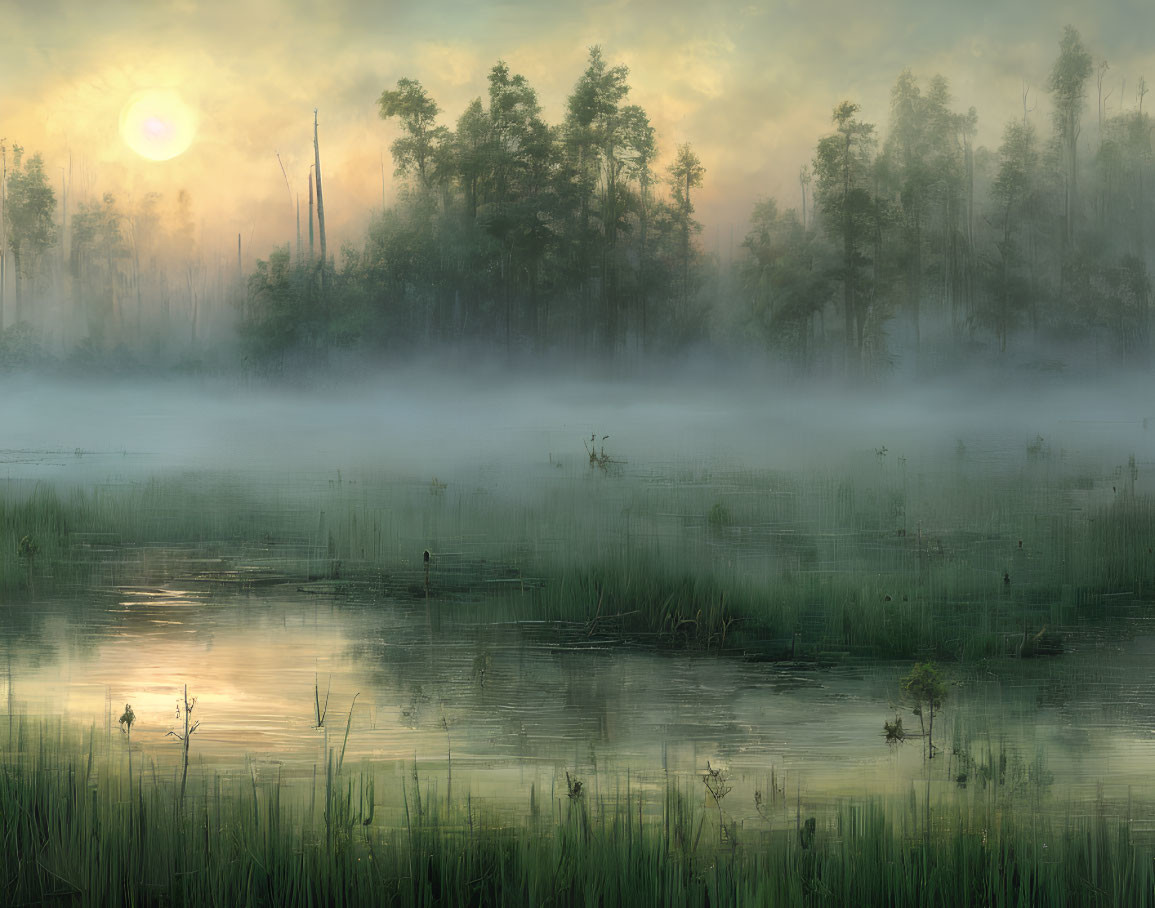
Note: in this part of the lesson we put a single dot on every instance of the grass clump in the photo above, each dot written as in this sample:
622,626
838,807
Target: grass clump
638,598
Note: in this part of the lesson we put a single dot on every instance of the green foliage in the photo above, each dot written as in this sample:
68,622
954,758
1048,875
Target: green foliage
27,548
923,171
513,232
980,240
417,150
29,211
787,278
99,252
287,314
535,237
686,174
1068,83
925,686
843,190
719,517
20,348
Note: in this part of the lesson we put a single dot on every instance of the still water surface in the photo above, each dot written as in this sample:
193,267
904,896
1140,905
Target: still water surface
515,705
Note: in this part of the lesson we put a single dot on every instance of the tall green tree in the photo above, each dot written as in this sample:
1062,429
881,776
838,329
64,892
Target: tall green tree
519,160
99,261
471,141
784,281
951,133
1015,195
3,226
29,210
925,687
1124,164
1068,87
415,151
910,169
686,175
842,169
927,167
594,129
639,148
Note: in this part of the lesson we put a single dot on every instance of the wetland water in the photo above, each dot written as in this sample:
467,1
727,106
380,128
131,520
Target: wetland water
517,705
501,709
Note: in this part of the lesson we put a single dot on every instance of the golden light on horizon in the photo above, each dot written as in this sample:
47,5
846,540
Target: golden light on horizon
158,125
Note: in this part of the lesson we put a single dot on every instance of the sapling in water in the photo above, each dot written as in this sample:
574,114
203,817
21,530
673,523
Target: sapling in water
927,689
188,707
717,782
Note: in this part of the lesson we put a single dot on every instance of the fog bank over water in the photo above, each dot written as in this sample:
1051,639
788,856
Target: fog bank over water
417,423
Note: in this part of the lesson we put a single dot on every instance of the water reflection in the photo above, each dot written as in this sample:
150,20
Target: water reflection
512,707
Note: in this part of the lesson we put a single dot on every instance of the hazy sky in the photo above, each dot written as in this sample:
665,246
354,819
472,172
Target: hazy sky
751,85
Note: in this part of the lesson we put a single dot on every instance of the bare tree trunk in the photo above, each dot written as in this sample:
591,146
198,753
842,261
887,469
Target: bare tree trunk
194,302
1073,191
1004,315
1141,207
16,282
63,219
847,261
185,742
3,224
644,269
136,281
686,251
507,279
916,279
310,216
320,199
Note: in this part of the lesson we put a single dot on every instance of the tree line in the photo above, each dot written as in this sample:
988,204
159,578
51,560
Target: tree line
511,231
540,237
1033,241
105,282
532,238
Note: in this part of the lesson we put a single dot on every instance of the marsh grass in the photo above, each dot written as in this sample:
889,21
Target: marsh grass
72,832
946,563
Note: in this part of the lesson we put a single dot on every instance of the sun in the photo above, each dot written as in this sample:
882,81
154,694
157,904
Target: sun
157,125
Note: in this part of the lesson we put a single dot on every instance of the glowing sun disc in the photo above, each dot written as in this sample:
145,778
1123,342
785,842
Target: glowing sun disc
157,125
